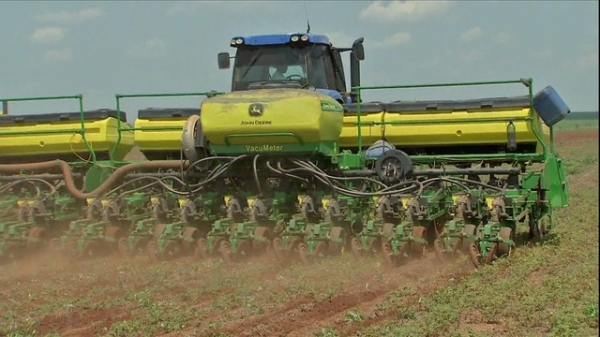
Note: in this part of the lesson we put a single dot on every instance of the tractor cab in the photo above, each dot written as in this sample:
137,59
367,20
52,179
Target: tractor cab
302,61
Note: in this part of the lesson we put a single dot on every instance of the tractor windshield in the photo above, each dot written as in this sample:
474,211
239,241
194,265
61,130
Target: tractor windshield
307,65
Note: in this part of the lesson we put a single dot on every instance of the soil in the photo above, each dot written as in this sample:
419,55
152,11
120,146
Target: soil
576,137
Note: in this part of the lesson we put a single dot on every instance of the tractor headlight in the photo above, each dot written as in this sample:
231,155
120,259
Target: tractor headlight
297,38
237,41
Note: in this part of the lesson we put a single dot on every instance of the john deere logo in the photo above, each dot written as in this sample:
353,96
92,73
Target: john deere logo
256,110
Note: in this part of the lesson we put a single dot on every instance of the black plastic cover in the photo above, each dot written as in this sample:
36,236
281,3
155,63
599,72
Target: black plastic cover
91,115
444,105
157,113
365,108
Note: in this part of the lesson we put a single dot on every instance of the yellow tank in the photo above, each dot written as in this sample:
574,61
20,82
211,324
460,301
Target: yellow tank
62,140
271,117
161,144
371,117
459,123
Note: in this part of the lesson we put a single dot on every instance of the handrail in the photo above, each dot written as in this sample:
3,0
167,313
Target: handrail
118,98
528,82
81,131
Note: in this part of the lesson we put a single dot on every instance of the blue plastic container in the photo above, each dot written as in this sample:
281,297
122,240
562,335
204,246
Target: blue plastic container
551,108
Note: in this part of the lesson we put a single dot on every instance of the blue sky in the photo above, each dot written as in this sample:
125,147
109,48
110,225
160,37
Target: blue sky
100,49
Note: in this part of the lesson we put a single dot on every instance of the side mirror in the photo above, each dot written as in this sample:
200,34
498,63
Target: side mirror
358,49
224,60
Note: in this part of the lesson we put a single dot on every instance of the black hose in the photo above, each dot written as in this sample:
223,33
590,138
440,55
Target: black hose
334,182
358,193
216,175
430,182
344,178
478,183
323,178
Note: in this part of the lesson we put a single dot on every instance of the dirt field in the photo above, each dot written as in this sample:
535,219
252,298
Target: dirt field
548,288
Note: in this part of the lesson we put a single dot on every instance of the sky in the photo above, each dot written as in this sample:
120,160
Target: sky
99,49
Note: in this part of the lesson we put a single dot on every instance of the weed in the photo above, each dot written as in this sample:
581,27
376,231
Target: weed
354,317
327,332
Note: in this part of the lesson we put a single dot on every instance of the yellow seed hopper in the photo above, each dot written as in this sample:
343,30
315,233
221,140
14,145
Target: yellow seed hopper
441,127
40,137
158,131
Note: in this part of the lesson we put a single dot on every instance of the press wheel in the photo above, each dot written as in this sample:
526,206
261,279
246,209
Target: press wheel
302,250
225,251
278,249
323,249
491,255
466,243
152,249
356,247
171,250
201,249
388,254
37,238
503,248
418,249
475,254
440,250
